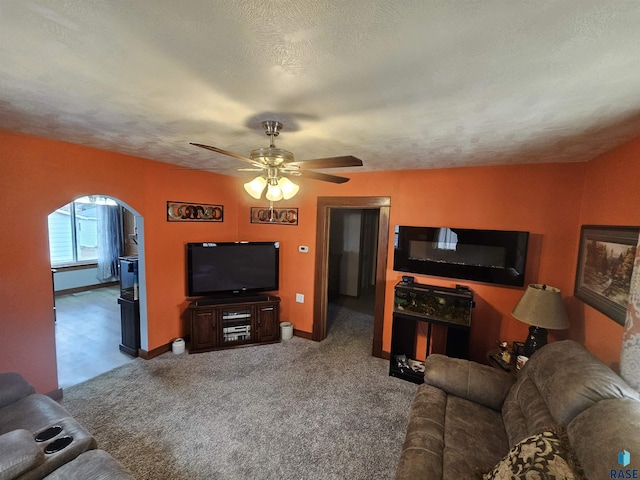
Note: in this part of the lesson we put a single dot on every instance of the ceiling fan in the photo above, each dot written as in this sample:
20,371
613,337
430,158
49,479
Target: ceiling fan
277,164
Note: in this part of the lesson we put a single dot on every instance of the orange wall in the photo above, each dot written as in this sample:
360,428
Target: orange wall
611,197
39,176
296,269
547,200
541,199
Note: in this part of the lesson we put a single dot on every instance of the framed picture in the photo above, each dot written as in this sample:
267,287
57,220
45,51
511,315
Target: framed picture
605,265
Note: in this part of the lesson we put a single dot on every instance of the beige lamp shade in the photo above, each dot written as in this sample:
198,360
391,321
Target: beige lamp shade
542,306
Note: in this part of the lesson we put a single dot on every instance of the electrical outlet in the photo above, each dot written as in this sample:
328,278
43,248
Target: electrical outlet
300,297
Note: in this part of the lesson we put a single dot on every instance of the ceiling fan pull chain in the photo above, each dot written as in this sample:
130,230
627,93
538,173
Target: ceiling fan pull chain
271,217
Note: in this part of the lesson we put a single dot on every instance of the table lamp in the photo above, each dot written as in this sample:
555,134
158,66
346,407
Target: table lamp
541,307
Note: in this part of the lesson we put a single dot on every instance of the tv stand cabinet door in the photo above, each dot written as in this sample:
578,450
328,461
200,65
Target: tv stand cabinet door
268,322
204,329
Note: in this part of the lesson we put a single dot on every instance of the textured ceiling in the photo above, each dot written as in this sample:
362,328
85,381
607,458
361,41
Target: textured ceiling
399,84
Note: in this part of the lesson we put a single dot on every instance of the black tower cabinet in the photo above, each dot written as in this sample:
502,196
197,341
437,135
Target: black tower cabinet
130,324
129,306
416,304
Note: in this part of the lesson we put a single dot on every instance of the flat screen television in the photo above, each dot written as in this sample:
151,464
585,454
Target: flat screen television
232,268
489,256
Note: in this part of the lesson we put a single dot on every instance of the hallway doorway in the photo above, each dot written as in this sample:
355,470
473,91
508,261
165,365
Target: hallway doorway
353,246
381,206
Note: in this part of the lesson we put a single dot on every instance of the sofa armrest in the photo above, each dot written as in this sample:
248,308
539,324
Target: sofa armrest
13,387
94,464
19,454
478,383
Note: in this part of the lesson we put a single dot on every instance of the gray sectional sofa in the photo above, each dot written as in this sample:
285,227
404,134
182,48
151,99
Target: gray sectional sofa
469,420
33,427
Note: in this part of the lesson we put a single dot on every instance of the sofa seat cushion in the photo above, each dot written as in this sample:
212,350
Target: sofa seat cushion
539,456
449,434
474,438
19,454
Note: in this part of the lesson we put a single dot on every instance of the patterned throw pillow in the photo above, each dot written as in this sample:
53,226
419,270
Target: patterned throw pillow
538,457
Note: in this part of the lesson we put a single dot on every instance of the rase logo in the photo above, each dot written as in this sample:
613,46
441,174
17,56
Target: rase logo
624,459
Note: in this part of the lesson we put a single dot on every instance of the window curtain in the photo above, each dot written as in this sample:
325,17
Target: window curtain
109,242
447,239
630,357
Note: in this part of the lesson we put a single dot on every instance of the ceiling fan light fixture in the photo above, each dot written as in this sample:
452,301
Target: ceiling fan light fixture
288,188
277,162
274,193
256,186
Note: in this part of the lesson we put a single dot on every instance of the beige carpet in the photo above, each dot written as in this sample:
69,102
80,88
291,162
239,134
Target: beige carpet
294,410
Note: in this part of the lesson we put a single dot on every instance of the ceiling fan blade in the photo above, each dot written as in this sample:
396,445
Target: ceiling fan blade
196,169
230,154
331,162
323,176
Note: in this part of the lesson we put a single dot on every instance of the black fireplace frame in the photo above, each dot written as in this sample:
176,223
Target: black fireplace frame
509,245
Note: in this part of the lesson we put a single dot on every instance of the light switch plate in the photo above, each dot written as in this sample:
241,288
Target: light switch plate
303,249
300,297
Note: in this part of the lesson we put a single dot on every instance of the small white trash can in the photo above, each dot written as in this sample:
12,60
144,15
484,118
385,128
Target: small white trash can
286,330
177,346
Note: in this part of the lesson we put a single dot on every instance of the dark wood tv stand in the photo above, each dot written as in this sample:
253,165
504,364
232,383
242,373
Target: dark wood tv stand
234,322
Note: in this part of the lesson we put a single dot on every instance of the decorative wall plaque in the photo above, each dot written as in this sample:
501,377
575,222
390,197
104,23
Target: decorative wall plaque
277,216
194,212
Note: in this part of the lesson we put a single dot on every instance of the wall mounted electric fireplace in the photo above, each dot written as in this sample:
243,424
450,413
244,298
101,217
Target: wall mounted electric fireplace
489,256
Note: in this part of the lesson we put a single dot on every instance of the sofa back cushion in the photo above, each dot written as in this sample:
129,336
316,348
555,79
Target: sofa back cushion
12,388
524,411
560,381
469,380
570,380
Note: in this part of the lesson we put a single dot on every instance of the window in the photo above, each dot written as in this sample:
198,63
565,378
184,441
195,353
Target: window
73,231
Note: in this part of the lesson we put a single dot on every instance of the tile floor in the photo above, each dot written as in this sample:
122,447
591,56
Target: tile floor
88,335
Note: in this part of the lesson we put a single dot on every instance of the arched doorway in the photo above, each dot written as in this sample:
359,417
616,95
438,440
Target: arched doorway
87,237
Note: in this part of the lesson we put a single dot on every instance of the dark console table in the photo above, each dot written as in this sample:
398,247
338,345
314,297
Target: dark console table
228,323
130,326
415,303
